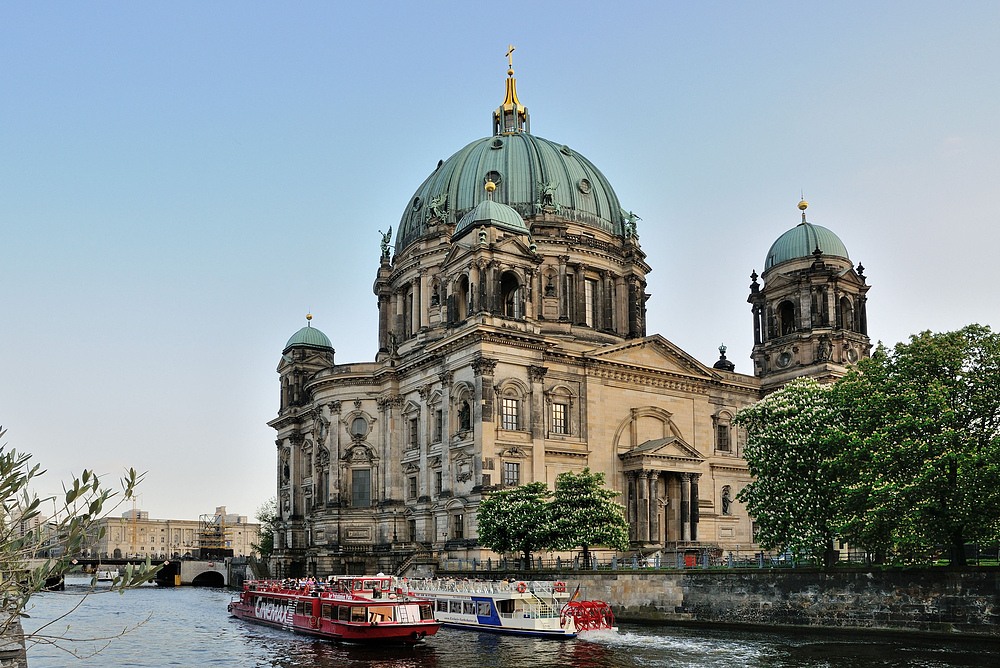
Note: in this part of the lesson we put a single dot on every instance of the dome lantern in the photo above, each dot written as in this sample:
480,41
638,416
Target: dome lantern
511,117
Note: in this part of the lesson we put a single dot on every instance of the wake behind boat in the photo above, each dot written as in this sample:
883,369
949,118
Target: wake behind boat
533,608
354,609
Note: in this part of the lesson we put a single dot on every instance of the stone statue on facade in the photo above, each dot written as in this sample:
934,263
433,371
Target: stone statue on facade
386,236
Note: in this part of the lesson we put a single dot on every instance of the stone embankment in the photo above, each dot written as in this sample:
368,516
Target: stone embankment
929,600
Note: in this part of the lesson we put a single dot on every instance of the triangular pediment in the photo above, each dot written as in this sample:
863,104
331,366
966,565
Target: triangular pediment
669,453
653,352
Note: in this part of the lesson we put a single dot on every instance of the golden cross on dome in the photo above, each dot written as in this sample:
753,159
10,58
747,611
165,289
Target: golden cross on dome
510,57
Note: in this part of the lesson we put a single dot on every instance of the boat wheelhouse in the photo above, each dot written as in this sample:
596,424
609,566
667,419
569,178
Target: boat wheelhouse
536,608
344,609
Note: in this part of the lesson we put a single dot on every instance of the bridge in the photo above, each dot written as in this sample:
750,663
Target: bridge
173,572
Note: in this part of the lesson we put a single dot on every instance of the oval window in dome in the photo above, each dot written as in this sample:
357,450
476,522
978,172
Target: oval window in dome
496,143
417,203
494,176
583,186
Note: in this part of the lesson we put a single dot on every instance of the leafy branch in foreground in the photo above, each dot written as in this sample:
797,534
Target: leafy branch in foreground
36,550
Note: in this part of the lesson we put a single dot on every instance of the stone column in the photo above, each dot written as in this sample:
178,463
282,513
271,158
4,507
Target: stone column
694,505
537,416
642,496
685,507
563,289
333,492
654,508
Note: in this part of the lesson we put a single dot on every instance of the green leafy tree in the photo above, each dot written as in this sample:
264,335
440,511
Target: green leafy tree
792,451
36,550
928,412
267,517
585,513
516,520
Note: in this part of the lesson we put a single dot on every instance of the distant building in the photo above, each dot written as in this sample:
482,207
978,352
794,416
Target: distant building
512,347
134,534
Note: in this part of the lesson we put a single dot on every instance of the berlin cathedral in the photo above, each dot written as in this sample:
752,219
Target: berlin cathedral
512,347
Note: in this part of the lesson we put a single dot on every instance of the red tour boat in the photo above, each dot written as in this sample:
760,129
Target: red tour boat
351,609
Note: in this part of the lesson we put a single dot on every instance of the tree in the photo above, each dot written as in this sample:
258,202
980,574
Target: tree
929,412
267,516
516,520
792,451
585,513
35,550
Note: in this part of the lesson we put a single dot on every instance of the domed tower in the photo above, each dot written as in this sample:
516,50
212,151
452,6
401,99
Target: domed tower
308,351
809,315
548,245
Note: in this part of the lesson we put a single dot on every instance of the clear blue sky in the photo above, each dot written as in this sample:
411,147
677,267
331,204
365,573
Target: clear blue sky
181,182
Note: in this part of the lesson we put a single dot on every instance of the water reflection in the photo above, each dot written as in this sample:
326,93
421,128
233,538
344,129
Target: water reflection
190,627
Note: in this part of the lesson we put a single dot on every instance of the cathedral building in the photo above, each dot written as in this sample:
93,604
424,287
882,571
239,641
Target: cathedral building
512,347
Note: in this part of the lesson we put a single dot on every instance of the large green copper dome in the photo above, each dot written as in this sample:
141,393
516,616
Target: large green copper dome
532,175
801,241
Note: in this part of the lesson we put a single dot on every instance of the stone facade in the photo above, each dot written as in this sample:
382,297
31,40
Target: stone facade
134,534
512,347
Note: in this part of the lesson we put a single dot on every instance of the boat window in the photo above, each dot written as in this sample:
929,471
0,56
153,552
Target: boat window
484,608
426,612
359,614
327,611
469,608
442,605
304,608
456,607
344,613
506,605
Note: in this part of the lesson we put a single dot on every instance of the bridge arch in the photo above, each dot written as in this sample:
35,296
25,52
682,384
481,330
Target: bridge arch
209,579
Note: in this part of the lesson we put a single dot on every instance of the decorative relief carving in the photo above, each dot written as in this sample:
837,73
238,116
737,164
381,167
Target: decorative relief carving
537,373
483,366
334,407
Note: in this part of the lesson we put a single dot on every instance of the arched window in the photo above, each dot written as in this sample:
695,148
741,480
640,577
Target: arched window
510,295
846,314
786,318
462,299
464,416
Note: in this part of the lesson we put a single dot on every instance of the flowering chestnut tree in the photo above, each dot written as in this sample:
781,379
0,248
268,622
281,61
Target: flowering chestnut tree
516,520
585,513
792,452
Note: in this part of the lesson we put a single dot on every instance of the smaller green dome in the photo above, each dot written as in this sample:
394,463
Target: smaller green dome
492,214
801,241
309,337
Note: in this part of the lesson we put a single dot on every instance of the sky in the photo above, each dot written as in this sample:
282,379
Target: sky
180,183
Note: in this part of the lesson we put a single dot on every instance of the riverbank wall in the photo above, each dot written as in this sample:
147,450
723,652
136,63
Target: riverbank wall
931,601
928,600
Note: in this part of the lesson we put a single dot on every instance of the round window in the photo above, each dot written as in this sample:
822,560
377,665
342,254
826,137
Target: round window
359,426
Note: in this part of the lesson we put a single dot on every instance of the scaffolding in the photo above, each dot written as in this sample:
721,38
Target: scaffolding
215,540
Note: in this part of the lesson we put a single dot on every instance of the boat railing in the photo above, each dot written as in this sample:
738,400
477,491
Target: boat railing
537,587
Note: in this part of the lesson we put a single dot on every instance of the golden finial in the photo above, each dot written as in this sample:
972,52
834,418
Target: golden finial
309,317
803,205
490,186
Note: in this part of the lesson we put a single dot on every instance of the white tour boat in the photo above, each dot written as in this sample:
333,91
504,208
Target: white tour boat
534,608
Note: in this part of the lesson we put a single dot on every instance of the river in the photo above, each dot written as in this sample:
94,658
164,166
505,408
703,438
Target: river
190,627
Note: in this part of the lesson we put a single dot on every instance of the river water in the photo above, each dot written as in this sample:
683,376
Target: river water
190,627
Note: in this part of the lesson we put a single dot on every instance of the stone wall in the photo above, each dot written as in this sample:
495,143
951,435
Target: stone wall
938,601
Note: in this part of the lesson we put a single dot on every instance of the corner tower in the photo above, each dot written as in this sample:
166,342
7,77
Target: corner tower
809,316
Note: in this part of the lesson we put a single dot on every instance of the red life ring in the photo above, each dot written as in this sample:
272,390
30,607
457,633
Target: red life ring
560,587
521,587
314,622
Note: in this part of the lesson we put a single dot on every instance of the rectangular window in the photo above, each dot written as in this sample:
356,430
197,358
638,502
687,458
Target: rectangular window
458,526
437,482
511,474
487,463
487,480
361,488
559,419
412,489
589,290
413,429
438,425
722,438
508,414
